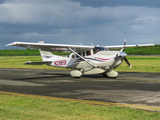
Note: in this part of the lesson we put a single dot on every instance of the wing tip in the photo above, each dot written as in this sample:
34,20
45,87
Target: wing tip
11,44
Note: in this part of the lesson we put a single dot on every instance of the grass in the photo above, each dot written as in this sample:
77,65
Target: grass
18,62
139,63
18,107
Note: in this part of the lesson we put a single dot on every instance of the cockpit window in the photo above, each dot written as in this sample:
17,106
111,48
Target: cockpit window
97,49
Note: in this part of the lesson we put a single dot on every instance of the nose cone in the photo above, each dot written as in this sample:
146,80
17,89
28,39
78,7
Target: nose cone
123,54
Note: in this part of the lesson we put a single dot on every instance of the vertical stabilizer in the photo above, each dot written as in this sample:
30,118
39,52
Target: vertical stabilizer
41,41
46,55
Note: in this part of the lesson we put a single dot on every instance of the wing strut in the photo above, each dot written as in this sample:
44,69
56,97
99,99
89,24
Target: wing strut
82,58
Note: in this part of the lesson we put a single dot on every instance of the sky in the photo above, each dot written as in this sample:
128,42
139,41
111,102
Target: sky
100,22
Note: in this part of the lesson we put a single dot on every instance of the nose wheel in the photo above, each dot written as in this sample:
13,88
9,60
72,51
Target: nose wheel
111,74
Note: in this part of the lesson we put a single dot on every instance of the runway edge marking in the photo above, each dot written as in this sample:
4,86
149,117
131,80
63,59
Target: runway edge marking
150,108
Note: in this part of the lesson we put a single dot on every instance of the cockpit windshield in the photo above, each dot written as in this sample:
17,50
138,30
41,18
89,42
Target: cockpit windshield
97,49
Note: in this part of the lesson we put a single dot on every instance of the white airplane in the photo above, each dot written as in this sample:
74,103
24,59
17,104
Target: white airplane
84,59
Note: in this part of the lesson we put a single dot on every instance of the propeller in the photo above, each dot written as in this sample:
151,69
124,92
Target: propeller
125,57
127,62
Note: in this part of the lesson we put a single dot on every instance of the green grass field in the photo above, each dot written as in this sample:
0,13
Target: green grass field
23,108
139,63
18,62
18,107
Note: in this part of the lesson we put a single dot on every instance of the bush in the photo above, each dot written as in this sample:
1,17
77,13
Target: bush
27,52
150,50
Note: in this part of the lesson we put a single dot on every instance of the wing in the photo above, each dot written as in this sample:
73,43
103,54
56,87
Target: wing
52,47
121,46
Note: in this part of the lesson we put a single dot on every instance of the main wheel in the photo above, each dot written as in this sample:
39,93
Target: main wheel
76,74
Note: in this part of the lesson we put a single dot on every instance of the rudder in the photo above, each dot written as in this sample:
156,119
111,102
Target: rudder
46,55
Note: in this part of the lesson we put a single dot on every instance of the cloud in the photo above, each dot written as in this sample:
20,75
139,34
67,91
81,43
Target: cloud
2,1
69,22
115,3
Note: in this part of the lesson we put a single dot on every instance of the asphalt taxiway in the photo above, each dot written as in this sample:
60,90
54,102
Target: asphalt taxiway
129,89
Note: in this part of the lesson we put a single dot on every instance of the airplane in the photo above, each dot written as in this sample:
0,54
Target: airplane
83,59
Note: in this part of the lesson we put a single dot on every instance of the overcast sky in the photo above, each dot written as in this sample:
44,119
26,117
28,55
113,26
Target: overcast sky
102,22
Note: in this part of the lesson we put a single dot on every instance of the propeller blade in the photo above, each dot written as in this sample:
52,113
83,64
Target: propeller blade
127,62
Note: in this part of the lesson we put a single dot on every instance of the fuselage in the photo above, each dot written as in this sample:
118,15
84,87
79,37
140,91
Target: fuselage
105,60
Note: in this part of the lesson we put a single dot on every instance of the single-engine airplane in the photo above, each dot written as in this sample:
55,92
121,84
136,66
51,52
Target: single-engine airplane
84,59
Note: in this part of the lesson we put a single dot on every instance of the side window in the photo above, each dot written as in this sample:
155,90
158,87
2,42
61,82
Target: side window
83,53
97,49
77,55
73,56
88,52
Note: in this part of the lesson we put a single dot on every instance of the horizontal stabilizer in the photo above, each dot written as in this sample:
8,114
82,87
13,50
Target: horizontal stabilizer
37,63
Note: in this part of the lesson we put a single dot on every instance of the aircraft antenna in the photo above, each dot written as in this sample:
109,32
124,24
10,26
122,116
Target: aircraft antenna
80,44
91,44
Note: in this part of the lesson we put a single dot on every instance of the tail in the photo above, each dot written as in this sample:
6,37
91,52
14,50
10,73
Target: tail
46,55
